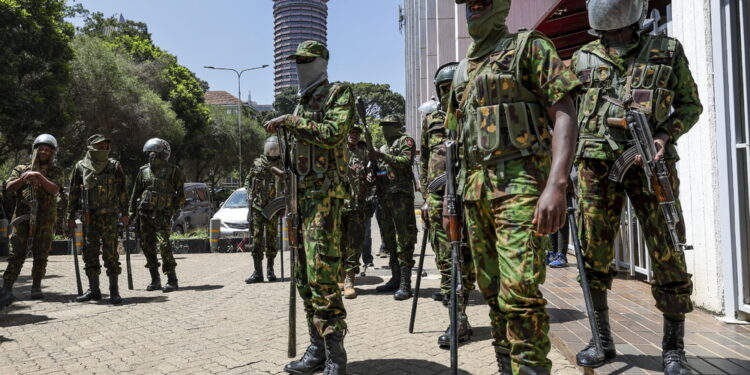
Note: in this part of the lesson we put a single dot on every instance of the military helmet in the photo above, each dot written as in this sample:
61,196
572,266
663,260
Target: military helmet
606,15
394,120
310,48
445,74
45,139
271,147
159,146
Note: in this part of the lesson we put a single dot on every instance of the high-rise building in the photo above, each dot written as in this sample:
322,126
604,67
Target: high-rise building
295,21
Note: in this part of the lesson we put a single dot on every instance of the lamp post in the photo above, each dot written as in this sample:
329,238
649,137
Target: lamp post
239,106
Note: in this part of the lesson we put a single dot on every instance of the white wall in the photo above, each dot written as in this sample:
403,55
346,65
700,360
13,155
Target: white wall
698,165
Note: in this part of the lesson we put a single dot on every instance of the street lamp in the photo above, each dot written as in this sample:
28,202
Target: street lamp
239,105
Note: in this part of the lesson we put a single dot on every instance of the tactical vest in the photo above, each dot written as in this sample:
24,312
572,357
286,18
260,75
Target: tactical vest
314,163
399,179
102,197
501,120
436,137
650,71
159,193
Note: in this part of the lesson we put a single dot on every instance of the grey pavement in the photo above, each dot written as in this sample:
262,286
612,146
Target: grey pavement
216,324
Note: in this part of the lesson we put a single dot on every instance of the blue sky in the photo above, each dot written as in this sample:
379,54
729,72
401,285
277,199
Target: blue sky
363,38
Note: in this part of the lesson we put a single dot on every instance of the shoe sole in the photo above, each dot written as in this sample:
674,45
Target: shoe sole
460,341
311,372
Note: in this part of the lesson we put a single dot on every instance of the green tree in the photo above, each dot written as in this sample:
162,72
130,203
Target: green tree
380,100
35,70
285,102
221,143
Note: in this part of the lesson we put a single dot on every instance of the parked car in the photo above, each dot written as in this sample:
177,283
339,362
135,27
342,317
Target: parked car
233,215
196,213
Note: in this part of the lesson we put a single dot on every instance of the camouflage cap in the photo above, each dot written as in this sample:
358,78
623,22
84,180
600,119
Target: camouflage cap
356,128
310,48
394,120
97,138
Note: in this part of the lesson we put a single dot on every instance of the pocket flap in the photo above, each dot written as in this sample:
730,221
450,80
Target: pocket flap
519,131
488,127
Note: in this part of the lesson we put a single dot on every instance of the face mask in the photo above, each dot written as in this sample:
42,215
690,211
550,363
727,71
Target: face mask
311,74
391,133
487,27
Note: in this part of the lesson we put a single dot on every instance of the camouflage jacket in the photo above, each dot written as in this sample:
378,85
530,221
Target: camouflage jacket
432,150
158,189
359,188
397,165
530,69
319,127
47,213
661,83
108,196
261,184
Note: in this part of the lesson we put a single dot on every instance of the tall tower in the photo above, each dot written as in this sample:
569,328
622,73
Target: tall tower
295,21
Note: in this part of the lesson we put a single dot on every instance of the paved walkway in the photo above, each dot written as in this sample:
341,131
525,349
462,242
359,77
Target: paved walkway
713,347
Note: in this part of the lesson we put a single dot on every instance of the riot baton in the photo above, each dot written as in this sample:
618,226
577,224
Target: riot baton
419,279
77,242
127,257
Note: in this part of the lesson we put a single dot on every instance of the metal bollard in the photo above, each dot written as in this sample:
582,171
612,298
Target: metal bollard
214,234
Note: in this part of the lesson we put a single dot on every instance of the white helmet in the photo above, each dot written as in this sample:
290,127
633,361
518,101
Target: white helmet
271,147
158,146
607,15
45,139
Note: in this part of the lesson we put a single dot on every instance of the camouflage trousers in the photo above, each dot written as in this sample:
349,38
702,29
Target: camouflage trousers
265,236
510,263
40,250
388,243
397,211
101,231
353,229
155,233
442,248
317,280
601,203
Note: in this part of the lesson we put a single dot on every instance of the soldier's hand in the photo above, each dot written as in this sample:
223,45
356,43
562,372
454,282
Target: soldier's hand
425,215
273,125
549,215
370,178
125,220
660,141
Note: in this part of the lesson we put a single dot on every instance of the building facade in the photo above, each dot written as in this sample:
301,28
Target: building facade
715,154
294,22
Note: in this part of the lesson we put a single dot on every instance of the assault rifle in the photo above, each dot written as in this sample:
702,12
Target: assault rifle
360,105
657,174
452,208
292,220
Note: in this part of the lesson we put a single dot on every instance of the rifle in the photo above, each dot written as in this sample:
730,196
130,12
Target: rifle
419,279
290,192
582,272
657,174
452,208
127,257
360,105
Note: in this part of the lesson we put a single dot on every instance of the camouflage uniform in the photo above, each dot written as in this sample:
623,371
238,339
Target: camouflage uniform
107,201
499,109
262,187
160,188
353,217
661,80
45,225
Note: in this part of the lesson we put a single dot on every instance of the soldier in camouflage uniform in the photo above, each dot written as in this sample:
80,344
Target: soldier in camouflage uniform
158,192
262,187
354,211
513,174
97,189
38,181
316,134
431,168
627,66
397,204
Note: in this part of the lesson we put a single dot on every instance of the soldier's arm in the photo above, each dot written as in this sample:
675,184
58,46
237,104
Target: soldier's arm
548,77
404,158
74,193
15,181
687,105
122,195
424,155
330,132
137,191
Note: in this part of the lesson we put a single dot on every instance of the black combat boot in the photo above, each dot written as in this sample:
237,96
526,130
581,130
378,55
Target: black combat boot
589,356
404,291
533,370
392,284
257,276
171,284
314,358
269,270
502,356
464,333
114,291
93,294
155,280
6,293
335,354
437,296
36,288
673,348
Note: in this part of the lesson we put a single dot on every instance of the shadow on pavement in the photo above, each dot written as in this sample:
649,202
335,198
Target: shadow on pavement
475,298
5,339
557,316
134,300
200,288
368,280
13,320
398,367
702,365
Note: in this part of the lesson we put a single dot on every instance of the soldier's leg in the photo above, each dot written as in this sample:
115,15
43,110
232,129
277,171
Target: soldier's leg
269,238
385,213
479,221
522,266
165,245
17,255
257,250
354,224
600,205
110,257
91,244
405,222
148,230
41,249
440,245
